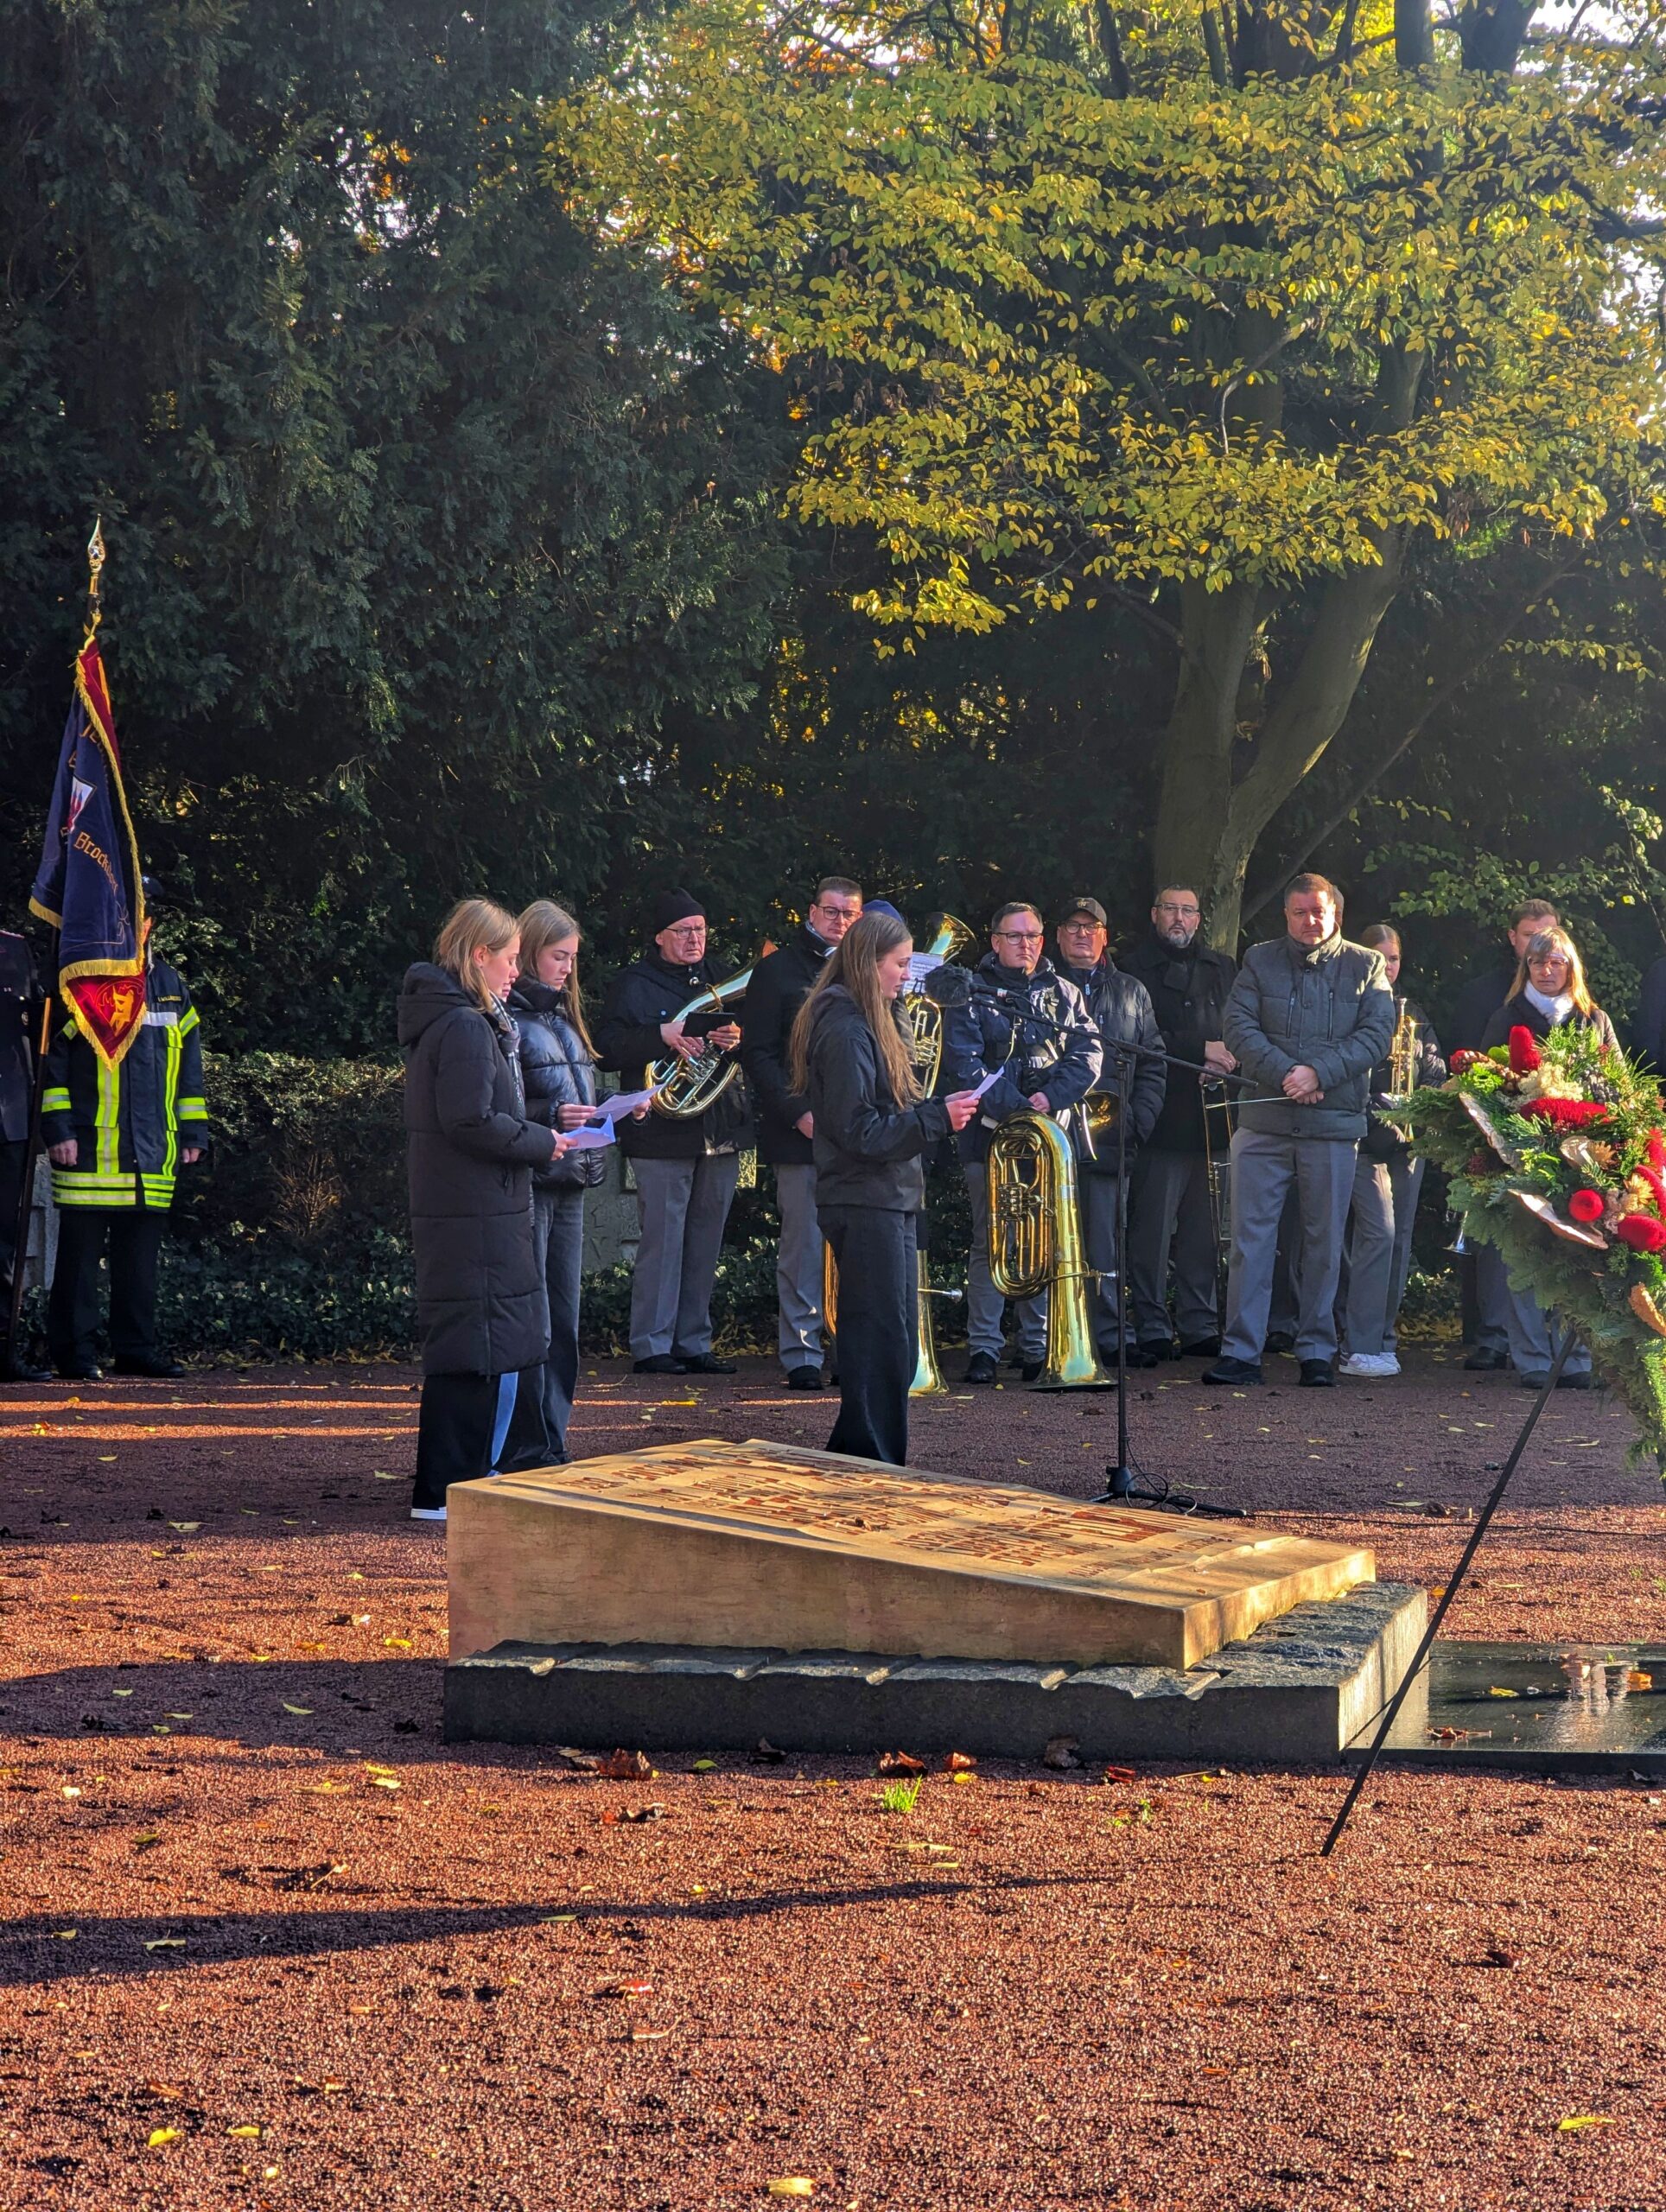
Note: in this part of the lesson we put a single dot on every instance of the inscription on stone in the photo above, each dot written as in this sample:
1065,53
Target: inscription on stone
760,1544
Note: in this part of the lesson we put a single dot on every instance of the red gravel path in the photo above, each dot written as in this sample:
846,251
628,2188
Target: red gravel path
1036,1991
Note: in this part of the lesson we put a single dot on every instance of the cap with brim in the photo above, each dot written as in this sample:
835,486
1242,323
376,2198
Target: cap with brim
1091,906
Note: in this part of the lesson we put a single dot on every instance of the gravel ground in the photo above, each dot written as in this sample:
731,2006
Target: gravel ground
268,1943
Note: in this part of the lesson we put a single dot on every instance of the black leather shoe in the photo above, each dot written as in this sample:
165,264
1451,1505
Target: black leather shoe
1482,1362
1280,1340
1574,1381
1158,1349
160,1370
1316,1375
24,1370
662,1363
981,1368
1233,1370
1031,1369
808,1377
706,1363
81,1371
1205,1348
1138,1355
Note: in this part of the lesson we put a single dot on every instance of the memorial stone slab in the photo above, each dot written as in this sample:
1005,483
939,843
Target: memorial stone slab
773,1546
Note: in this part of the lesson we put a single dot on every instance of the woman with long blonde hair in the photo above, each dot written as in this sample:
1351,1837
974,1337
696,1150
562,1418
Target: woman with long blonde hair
562,1091
480,1301
849,1058
1549,989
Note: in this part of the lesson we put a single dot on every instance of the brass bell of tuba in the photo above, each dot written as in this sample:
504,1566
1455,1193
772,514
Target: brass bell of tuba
1035,1245
928,1381
684,1089
922,1017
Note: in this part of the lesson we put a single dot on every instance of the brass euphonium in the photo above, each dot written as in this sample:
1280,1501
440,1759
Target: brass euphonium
922,1017
683,1088
1035,1245
928,1381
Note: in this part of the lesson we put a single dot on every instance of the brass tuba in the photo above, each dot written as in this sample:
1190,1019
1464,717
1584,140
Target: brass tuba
1035,1245
683,1088
922,1017
928,1381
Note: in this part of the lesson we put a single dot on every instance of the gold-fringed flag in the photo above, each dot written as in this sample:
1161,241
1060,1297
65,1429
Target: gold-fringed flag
90,887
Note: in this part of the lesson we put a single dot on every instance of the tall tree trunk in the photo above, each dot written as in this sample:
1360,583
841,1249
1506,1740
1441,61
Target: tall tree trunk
1217,631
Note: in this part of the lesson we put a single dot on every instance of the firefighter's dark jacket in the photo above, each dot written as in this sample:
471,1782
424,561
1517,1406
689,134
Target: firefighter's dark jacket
129,1122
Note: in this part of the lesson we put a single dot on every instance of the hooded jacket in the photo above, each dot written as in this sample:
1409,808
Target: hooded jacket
1329,1008
556,1070
780,984
1189,989
1121,1012
481,1299
628,1038
869,1151
1035,1029
130,1122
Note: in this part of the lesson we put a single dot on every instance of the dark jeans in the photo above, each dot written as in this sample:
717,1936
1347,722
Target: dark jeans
463,1420
538,1434
878,1317
134,1238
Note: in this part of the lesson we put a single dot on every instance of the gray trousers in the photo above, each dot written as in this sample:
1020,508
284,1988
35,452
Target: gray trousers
1530,1335
1406,1180
984,1305
683,1206
1368,1256
1492,1301
798,1269
1264,1170
1169,1213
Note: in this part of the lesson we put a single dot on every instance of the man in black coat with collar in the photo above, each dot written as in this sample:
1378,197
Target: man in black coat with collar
780,983
685,1170
20,1003
1171,1208
1122,1014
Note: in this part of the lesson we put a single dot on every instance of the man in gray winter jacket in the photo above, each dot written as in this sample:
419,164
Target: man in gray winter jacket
1308,1020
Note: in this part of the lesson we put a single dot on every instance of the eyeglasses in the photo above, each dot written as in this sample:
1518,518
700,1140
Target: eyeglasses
1185,913
1086,925
688,928
1020,937
835,913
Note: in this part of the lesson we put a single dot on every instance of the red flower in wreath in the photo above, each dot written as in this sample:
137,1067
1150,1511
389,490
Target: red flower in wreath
1524,1053
1462,1058
1642,1232
1586,1205
1480,1163
1656,1154
1564,1113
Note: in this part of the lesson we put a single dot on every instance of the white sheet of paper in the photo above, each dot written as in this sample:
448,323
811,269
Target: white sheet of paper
989,1082
921,965
615,1109
589,1140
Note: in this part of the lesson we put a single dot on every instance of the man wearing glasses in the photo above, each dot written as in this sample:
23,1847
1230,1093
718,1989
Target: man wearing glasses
685,1170
1170,1213
1024,1024
779,986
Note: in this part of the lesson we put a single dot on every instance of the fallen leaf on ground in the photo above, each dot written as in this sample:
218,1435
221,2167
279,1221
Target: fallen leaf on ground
586,1762
186,1528
624,1766
158,2136
648,2035
384,1781
958,1762
792,2185
1637,1679
166,1944
625,1989
144,1842
705,1766
251,2132
288,1707
767,1754
381,1475
1124,1774
1494,1691
164,2089
397,1643
634,1813
1499,1954
1579,2119
121,1692
1060,1752
900,1762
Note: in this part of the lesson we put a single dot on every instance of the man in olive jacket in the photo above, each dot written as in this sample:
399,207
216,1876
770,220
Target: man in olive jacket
1308,1020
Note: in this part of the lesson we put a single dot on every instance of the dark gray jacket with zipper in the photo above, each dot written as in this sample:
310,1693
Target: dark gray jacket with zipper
1330,1009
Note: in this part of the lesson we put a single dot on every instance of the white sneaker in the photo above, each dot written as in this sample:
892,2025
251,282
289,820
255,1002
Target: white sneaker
1371,1363
427,1513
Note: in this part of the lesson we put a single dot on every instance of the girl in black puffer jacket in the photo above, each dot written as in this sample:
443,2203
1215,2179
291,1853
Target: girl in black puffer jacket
559,1070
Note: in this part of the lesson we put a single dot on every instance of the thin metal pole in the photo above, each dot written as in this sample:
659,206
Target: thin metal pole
1391,1711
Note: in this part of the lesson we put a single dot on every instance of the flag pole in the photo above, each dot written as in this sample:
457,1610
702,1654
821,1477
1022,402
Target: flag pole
95,561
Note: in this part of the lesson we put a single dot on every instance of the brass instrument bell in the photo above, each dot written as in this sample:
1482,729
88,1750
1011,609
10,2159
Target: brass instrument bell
1035,1245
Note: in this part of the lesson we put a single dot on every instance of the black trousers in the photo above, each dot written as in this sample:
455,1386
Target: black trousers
12,1193
879,1328
133,1236
537,1431
464,1420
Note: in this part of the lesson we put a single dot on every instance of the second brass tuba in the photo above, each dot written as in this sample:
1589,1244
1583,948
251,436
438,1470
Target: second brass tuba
928,1381
684,1089
922,1017
1035,1245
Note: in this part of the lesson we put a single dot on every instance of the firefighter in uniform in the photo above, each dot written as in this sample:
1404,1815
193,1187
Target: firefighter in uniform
116,1138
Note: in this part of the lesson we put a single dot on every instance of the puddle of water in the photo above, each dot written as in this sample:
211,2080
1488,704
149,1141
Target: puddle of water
1573,1697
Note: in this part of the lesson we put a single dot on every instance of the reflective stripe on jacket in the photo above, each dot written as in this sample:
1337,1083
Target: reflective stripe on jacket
128,1121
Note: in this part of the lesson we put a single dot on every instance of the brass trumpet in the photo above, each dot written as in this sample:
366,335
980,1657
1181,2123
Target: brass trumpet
928,1381
922,1017
1404,1059
1035,1245
683,1088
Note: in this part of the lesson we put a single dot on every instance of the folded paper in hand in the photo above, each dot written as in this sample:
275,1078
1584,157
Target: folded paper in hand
615,1109
992,1077
589,1140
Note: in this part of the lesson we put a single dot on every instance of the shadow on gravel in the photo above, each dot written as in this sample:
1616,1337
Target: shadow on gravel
228,1699
37,1950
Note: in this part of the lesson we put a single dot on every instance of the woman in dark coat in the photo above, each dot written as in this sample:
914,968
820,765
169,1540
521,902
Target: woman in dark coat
559,1068
873,1130
1549,989
472,1150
